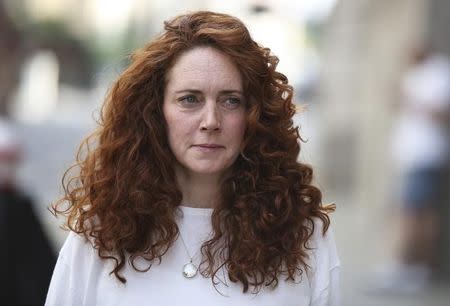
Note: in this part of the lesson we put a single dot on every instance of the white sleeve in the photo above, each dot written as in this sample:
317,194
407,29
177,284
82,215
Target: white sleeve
331,295
325,270
66,287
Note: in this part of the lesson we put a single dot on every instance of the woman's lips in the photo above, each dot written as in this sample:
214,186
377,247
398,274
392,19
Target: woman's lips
208,147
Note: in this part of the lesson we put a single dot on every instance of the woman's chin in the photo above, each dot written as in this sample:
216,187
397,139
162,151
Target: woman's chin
212,171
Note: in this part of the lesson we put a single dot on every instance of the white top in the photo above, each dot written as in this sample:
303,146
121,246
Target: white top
418,139
82,278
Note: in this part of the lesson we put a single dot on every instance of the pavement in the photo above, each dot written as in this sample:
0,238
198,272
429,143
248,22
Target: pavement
364,243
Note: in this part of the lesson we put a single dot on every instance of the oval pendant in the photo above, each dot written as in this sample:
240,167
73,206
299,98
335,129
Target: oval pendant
189,270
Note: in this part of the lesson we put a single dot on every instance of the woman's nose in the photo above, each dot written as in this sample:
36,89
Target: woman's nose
211,118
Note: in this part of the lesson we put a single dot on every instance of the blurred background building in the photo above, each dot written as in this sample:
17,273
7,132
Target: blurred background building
346,59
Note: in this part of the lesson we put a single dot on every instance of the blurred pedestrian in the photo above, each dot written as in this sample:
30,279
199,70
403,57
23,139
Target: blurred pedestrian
26,253
193,194
421,152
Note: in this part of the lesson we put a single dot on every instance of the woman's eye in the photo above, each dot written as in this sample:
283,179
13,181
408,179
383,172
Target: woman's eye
188,100
232,102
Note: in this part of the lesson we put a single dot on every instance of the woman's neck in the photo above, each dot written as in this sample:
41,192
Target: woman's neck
201,191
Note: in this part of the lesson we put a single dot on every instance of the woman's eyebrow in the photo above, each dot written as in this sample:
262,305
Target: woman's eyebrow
227,91
230,91
189,90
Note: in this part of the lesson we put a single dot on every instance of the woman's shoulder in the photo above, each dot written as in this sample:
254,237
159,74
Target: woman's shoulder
76,247
78,267
322,245
323,264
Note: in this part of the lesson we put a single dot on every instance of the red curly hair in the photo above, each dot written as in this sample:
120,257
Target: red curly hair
123,193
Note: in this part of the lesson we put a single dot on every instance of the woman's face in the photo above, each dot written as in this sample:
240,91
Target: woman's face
204,109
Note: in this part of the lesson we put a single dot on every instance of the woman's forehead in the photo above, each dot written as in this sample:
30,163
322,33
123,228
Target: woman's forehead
204,67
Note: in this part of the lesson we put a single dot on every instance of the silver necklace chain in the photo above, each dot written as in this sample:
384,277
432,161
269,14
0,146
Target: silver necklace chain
189,269
186,248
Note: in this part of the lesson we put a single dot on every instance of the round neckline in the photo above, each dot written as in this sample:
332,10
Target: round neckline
196,211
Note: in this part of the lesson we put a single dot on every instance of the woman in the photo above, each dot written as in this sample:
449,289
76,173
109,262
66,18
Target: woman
193,193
